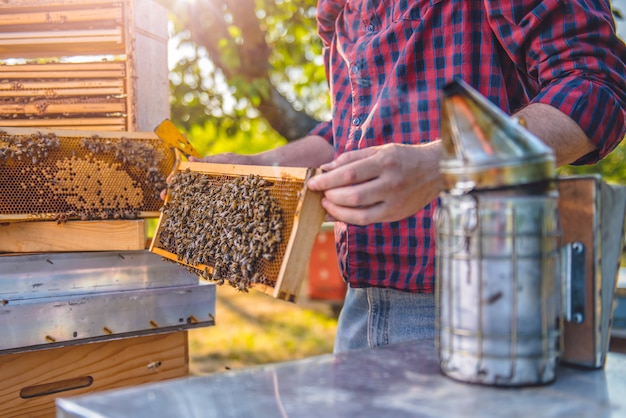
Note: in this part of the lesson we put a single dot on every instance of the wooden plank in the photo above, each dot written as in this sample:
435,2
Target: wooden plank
308,219
578,205
269,172
60,45
64,50
115,128
42,217
22,75
62,84
61,122
21,131
16,5
88,368
65,17
114,235
148,74
81,66
65,108
55,36
47,92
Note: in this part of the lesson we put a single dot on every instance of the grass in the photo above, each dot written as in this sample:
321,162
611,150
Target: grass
254,328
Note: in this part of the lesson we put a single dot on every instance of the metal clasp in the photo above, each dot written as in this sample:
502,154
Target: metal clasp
573,272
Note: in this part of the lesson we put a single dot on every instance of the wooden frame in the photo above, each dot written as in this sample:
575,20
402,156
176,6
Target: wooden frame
33,237
308,218
67,137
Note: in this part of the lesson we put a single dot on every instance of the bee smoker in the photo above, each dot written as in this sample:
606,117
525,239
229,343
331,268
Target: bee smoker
498,238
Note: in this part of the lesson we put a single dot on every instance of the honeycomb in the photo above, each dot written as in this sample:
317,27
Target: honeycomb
83,175
229,227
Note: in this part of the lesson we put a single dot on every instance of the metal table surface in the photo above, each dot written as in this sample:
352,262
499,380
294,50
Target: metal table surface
395,381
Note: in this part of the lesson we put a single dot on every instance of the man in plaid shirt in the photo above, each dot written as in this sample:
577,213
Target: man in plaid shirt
556,63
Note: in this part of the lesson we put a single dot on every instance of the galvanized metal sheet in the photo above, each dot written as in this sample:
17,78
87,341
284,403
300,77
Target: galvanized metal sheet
48,322
61,274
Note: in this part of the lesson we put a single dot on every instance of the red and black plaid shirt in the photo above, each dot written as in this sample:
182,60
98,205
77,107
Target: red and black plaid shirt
387,60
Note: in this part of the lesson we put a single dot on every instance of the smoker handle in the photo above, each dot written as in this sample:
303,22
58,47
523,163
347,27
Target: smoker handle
573,283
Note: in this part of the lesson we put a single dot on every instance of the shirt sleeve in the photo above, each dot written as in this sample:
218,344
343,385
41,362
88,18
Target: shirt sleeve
325,130
570,50
327,12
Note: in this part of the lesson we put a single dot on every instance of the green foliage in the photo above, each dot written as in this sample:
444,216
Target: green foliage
218,107
611,167
245,137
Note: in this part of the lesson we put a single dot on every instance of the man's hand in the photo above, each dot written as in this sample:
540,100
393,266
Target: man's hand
310,151
380,184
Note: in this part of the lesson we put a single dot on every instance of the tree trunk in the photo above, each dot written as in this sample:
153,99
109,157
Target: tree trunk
208,28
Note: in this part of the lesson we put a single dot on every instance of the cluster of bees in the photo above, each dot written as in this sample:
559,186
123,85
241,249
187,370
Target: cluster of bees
89,215
231,225
33,147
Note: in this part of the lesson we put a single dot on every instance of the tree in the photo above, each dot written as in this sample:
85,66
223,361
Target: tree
250,67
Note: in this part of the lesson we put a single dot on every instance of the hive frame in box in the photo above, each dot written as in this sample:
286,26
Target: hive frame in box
36,195
307,219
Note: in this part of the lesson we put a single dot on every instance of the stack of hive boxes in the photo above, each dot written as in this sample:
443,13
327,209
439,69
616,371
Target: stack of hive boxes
97,64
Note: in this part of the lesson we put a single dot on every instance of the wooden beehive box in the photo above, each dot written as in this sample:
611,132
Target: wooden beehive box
32,380
204,230
76,190
97,64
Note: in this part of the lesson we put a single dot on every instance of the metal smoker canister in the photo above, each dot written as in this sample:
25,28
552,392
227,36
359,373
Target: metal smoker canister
498,238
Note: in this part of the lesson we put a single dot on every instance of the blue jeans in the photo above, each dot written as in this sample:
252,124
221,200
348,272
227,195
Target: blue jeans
372,317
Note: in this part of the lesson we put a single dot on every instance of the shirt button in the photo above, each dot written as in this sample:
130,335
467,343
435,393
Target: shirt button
356,121
355,69
370,28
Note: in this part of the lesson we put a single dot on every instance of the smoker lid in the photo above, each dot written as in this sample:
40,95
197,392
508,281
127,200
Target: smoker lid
484,148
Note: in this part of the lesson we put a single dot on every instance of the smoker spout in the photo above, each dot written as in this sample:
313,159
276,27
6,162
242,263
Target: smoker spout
484,148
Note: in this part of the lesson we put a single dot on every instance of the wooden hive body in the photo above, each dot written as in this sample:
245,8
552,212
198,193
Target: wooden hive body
89,65
98,64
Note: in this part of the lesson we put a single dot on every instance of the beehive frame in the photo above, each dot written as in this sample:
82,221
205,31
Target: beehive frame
82,173
302,213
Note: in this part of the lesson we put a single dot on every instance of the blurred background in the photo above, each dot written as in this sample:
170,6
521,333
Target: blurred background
247,76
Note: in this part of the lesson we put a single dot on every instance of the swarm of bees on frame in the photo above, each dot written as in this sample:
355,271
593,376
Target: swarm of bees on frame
81,185
33,147
131,152
231,226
